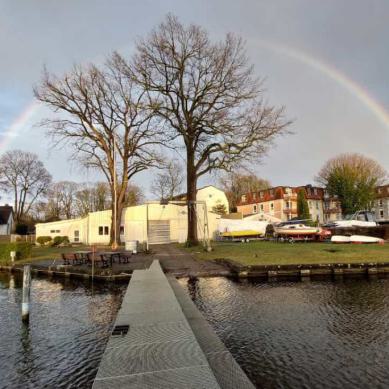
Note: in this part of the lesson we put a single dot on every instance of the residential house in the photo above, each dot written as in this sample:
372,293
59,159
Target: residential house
381,203
281,202
211,195
6,220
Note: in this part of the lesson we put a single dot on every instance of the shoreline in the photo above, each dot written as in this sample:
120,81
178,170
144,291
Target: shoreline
233,269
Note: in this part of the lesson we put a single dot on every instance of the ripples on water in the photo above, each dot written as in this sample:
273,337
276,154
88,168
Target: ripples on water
302,334
65,339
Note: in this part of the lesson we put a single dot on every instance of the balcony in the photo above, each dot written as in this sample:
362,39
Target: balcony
290,210
332,210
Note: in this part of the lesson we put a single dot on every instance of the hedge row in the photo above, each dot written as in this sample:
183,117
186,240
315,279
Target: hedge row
23,250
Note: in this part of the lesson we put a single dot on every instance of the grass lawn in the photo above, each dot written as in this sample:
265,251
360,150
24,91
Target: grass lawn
271,253
46,253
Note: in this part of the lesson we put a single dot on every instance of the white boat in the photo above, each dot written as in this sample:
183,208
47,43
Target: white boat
356,239
358,219
340,239
365,239
296,229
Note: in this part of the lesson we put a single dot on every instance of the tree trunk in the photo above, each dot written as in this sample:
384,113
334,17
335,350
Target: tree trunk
115,240
191,185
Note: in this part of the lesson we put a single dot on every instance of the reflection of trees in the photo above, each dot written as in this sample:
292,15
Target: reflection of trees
357,310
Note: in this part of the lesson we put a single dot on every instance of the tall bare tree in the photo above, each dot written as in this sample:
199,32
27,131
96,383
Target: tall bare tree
23,175
208,99
235,184
61,198
102,114
168,182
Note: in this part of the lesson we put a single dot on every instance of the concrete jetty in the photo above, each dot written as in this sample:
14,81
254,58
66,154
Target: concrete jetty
160,340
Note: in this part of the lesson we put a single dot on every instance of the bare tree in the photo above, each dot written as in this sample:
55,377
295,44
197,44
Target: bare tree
105,120
208,99
168,182
92,197
353,178
61,198
235,184
23,175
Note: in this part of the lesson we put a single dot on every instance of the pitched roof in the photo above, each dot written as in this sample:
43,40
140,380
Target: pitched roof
5,212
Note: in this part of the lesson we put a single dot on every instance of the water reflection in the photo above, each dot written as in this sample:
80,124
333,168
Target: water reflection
302,334
63,343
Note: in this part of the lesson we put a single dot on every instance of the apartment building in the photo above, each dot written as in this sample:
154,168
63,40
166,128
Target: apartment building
281,202
381,203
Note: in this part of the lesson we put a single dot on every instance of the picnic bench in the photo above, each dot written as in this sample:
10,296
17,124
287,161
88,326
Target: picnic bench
105,258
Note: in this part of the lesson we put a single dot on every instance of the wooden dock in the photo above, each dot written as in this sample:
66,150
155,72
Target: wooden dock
160,340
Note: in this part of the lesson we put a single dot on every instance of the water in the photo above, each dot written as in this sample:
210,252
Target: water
69,327
302,334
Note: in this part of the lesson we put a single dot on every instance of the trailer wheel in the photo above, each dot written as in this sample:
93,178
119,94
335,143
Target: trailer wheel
291,240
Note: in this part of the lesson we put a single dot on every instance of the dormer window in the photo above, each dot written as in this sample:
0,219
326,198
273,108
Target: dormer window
243,198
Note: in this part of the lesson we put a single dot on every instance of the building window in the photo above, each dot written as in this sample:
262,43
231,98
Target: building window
271,192
243,198
317,205
254,208
272,206
261,195
254,196
261,207
52,231
76,236
55,231
381,213
380,202
103,230
121,230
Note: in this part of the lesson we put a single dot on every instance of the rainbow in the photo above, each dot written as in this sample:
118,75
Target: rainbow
330,71
22,120
333,73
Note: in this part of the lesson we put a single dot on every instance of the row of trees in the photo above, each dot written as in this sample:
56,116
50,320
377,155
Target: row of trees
36,198
180,91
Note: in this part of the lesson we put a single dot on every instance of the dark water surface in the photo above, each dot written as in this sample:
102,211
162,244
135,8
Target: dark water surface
62,346
319,334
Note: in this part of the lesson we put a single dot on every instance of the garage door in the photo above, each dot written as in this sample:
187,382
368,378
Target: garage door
159,231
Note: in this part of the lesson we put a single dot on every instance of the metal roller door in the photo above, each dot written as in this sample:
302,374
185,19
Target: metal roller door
159,231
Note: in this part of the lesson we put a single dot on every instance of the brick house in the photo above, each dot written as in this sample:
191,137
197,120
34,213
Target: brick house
281,202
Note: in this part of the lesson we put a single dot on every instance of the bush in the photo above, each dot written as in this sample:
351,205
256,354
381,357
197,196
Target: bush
23,250
21,229
60,239
43,239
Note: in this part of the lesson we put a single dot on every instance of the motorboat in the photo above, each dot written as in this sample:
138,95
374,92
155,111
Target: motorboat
295,229
358,219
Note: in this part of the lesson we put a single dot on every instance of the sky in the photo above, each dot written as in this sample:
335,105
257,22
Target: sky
327,62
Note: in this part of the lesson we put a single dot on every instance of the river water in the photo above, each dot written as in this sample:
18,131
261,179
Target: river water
69,327
319,334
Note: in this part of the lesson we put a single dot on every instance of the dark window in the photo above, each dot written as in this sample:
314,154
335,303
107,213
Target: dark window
121,230
101,230
106,230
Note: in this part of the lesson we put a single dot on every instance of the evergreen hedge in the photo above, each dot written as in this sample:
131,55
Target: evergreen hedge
23,250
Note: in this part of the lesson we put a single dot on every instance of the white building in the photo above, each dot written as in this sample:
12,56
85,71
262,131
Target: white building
6,220
152,222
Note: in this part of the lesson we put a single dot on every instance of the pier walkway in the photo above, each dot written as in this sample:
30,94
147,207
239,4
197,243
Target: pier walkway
160,340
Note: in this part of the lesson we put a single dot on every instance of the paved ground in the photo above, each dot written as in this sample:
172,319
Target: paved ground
173,261
182,264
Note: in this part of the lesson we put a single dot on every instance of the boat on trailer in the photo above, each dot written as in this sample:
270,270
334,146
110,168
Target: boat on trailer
296,230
